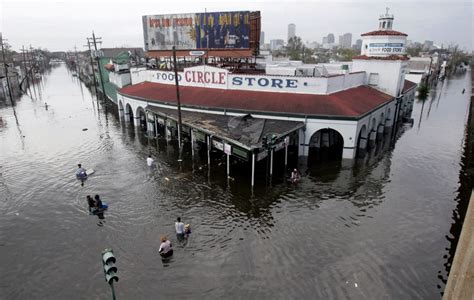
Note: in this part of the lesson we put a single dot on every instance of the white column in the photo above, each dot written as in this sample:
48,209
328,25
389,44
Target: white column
192,142
209,151
286,155
228,165
253,169
271,162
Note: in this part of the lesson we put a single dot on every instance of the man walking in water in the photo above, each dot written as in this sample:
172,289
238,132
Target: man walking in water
179,226
81,172
149,161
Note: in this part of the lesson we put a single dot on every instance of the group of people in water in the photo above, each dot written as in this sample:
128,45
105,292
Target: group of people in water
182,230
95,204
97,207
182,234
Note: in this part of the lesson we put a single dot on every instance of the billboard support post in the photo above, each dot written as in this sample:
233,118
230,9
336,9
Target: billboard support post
180,144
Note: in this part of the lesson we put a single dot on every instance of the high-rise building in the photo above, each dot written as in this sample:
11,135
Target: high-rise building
358,44
276,44
331,39
291,31
345,40
262,39
427,45
325,40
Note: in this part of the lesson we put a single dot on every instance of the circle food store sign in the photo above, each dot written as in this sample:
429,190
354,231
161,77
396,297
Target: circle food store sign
386,48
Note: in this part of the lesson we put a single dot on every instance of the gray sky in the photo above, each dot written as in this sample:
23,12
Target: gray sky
62,24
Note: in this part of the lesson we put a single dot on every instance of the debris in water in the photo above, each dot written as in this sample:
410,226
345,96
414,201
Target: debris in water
355,284
84,129
167,179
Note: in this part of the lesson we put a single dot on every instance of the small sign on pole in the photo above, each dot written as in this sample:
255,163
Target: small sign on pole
197,53
227,149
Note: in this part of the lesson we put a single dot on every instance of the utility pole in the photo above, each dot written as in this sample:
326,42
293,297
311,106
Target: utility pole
31,69
26,68
92,66
5,66
76,60
95,41
180,145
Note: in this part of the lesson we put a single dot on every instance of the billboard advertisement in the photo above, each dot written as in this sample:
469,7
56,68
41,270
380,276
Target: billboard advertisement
209,30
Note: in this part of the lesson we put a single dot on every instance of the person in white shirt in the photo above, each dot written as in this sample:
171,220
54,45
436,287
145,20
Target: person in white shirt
295,176
81,172
179,226
165,247
149,161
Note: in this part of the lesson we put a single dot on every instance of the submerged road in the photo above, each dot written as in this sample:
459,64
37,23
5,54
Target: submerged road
377,230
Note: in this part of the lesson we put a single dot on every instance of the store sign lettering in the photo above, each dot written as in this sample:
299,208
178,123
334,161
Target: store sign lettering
395,48
265,82
220,78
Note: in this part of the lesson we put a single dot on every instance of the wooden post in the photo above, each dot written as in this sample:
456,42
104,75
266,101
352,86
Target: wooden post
180,144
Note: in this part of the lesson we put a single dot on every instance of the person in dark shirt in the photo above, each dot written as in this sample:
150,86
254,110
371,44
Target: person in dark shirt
91,202
98,202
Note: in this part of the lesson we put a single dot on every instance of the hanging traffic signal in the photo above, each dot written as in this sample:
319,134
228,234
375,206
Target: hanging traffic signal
110,270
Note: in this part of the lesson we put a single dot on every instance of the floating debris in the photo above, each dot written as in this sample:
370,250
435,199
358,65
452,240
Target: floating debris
84,129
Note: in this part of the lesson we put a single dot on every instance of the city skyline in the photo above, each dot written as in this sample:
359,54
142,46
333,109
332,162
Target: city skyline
60,25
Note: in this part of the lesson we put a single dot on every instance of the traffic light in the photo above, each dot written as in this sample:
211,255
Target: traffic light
110,270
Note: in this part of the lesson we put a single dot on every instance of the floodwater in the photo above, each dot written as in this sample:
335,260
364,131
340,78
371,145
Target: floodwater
377,230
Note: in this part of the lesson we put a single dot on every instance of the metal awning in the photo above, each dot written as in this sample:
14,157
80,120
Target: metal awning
244,131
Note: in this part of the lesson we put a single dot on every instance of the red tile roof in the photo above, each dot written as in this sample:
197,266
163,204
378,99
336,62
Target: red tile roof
408,85
384,32
351,103
390,57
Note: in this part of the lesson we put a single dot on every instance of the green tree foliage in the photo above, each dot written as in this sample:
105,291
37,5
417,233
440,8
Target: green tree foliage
347,54
423,92
295,48
414,51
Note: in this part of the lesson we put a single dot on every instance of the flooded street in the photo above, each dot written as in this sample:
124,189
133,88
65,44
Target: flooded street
377,230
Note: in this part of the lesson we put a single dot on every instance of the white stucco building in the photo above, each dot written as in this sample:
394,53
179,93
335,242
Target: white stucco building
323,109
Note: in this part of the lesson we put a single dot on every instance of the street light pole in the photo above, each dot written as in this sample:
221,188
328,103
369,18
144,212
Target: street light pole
5,66
180,145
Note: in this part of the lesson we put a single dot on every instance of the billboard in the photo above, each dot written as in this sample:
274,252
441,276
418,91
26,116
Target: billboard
209,30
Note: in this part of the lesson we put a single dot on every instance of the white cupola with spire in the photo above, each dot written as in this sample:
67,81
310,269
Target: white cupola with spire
385,41
383,57
386,21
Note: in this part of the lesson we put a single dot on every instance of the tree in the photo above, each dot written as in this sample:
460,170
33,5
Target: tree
295,48
347,54
414,51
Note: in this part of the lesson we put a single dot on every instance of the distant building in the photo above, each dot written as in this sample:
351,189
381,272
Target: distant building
291,31
428,45
313,45
358,44
276,44
325,40
345,40
331,39
262,39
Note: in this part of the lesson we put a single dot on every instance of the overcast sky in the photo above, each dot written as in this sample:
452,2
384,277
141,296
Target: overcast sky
63,24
